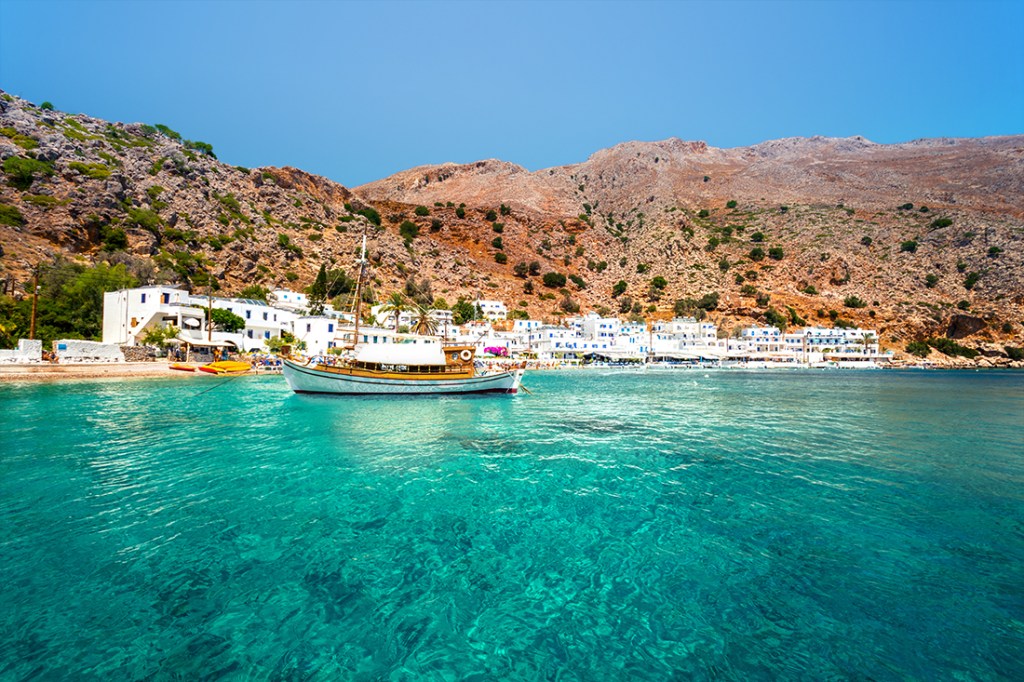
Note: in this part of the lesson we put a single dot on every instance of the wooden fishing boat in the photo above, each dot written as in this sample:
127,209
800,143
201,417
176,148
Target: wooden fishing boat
401,368
424,366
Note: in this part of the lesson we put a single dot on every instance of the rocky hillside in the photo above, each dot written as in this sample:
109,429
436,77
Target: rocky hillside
917,240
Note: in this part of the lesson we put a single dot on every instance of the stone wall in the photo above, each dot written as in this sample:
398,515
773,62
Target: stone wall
138,354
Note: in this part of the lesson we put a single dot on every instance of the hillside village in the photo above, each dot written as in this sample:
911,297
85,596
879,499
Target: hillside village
187,325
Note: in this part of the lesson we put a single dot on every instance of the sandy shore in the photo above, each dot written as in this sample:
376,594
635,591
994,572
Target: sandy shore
48,372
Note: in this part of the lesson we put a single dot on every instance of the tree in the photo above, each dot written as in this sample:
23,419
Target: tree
409,231
463,311
424,323
619,289
520,269
396,304
226,321
254,292
159,336
318,292
554,280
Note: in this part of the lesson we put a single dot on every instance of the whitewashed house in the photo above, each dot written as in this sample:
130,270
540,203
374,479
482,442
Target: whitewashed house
286,299
492,310
818,344
129,313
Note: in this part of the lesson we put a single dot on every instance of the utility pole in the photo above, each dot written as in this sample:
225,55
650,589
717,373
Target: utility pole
35,302
209,312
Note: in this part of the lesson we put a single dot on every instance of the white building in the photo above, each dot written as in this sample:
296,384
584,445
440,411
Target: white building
759,342
129,314
286,299
492,310
262,322
818,344
407,318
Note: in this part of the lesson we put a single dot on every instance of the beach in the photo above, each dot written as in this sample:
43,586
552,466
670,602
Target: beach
95,370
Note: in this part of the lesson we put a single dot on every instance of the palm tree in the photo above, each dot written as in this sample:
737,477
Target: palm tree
424,323
397,304
867,340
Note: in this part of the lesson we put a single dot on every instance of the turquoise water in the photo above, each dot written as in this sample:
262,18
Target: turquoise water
691,525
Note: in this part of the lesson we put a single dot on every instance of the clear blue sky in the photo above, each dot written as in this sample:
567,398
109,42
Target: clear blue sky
356,91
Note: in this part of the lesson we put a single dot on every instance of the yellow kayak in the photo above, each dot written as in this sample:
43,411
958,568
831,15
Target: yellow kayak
226,367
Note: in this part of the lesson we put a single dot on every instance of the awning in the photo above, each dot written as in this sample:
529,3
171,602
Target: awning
205,344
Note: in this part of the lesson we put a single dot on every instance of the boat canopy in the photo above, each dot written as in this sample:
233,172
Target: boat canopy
402,354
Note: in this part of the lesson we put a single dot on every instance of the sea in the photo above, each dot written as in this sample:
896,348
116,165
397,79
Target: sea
608,525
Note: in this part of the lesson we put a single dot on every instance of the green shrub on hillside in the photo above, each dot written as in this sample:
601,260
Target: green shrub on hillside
370,214
919,348
554,280
409,231
10,215
22,172
952,348
96,171
854,302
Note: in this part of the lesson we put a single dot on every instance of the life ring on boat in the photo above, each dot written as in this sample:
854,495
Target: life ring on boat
466,355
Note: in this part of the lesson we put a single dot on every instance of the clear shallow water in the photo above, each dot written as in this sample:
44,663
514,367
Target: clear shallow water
728,525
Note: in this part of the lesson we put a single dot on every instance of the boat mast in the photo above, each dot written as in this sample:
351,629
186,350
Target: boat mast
359,289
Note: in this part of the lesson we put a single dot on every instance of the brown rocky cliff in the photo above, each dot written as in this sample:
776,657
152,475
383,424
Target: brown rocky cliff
830,209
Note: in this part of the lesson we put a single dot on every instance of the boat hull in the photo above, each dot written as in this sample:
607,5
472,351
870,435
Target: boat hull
303,379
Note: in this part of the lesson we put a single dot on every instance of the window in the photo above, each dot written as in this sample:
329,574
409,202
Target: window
266,335
250,333
264,316
309,327
166,298
248,314
330,327
143,299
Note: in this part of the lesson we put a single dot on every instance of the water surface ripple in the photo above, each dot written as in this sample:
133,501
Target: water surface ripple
729,525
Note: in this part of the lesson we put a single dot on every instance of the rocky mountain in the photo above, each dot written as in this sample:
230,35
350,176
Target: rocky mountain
917,240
